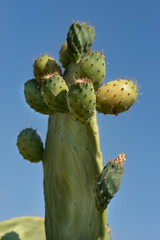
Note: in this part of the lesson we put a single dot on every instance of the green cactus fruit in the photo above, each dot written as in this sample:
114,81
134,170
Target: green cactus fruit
72,72
108,181
45,65
64,56
30,145
82,100
80,39
93,66
34,98
54,92
116,96
22,228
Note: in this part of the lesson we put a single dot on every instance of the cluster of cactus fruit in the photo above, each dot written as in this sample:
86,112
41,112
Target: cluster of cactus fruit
77,188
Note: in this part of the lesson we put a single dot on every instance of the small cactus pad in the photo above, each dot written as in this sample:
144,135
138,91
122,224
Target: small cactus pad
22,228
116,96
108,181
45,65
54,92
80,39
64,56
30,145
93,66
81,100
34,98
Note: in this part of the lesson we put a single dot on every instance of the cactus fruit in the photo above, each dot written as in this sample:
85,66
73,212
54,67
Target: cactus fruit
77,189
22,228
80,39
93,66
108,181
82,100
116,96
45,65
30,145
34,98
54,92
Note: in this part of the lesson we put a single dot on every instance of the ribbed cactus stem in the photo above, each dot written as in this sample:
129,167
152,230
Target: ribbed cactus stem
72,160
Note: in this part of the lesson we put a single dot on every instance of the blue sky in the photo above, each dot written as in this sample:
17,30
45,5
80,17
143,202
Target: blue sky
128,33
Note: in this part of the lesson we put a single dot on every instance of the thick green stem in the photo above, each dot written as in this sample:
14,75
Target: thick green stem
72,160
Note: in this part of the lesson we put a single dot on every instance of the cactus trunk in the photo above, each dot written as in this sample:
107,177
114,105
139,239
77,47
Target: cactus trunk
72,161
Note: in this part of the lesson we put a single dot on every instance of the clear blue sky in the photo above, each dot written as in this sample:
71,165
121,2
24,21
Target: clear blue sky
129,34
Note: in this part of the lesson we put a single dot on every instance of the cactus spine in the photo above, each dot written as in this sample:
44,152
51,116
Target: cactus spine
77,188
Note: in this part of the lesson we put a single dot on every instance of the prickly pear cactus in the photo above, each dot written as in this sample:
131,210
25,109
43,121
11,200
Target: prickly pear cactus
77,188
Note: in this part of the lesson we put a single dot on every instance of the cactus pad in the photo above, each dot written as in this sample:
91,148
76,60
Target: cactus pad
71,73
54,92
64,56
45,65
30,145
93,66
34,98
108,182
81,100
116,96
80,39
22,228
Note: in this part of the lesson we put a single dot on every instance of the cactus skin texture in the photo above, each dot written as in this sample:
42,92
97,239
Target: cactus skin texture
77,189
22,228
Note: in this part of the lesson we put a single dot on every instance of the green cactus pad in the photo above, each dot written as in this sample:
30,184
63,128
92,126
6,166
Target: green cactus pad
116,96
93,66
34,98
54,92
64,56
30,145
22,228
71,73
80,39
45,65
81,100
108,183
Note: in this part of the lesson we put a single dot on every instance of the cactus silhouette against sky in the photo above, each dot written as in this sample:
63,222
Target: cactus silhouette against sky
77,188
